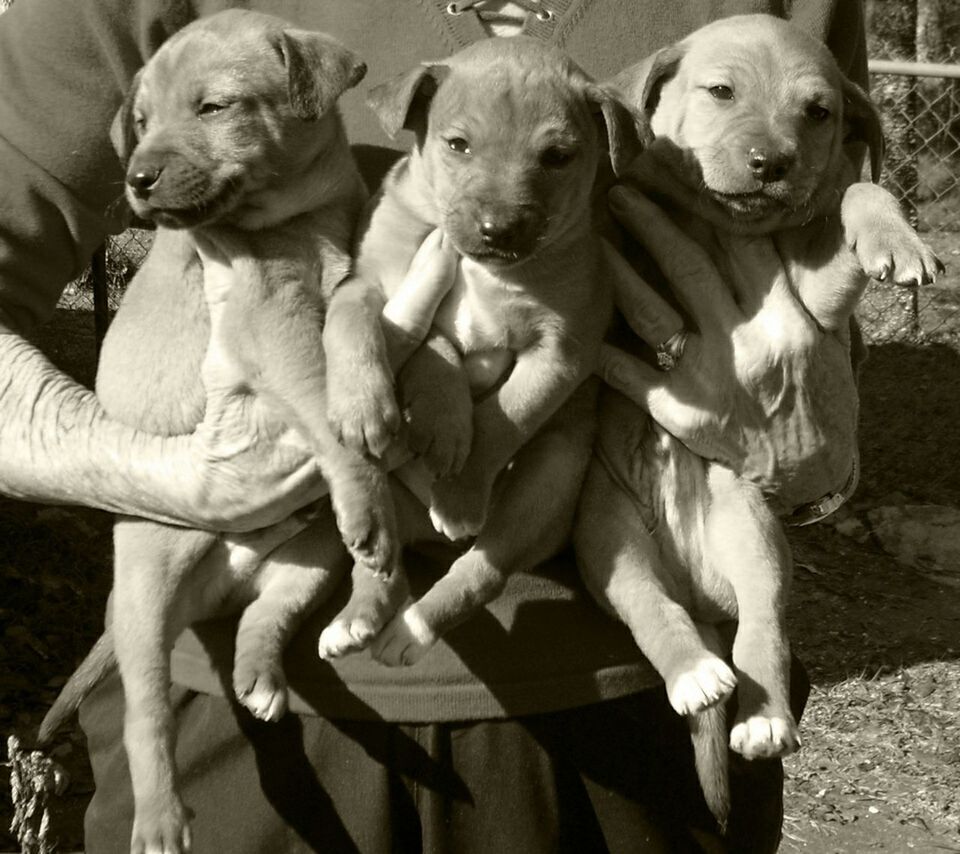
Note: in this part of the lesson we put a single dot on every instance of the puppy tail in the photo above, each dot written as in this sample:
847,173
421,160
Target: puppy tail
98,663
708,731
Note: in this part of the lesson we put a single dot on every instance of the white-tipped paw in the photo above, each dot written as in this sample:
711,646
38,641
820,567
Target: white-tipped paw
761,737
458,506
454,529
345,636
709,682
264,693
161,831
404,640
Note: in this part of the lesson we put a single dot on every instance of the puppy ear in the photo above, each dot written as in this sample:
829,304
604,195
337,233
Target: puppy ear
319,70
627,132
663,67
640,84
401,103
862,120
122,134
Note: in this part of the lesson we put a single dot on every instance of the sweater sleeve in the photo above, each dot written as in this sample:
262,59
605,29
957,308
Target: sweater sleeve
64,68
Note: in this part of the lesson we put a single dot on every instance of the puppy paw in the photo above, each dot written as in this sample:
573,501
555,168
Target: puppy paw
458,511
374,600
898,255
709,682
404,640
762,737
161,829
441,439
362,409
262,689
345,635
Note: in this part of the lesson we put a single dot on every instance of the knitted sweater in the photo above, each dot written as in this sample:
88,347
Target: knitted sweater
64,66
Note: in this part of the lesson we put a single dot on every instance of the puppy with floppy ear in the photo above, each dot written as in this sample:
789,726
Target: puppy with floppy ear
236,151
509,136
751,118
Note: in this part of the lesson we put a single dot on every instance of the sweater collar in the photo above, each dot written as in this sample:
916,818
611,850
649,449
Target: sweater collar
465,27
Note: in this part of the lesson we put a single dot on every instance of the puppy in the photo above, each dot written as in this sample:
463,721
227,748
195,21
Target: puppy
509,136
750,118
234,145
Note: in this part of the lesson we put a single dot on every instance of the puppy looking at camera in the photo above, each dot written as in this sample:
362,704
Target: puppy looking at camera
750,118
509,136
235,149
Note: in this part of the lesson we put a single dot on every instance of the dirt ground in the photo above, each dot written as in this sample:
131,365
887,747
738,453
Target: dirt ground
880,766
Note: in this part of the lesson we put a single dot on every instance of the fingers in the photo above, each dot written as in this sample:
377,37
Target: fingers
689,271
649,315
629,375
431,275
680,411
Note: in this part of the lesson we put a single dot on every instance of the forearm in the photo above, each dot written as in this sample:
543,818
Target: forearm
58,446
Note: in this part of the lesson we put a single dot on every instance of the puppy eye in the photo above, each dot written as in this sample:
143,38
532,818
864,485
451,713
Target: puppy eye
721,93
211,108
140,123
458,144
556,158
817,113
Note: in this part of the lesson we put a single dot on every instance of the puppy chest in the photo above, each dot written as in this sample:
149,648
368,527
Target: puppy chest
485,311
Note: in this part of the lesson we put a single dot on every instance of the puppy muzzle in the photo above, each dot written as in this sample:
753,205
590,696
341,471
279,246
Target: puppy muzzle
172,190
497,234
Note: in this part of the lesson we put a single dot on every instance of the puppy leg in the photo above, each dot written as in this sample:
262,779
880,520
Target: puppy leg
285,350
437,407
150,563
887,246
542,381
271,326
531,515
622,567
294,579
362,406
745,544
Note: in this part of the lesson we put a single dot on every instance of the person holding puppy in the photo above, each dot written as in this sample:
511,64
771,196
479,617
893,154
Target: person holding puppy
537,727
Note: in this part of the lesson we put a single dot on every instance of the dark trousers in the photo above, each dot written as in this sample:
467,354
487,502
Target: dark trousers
615,776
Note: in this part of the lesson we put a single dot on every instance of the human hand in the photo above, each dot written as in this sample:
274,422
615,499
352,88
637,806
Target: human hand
755,385
408,314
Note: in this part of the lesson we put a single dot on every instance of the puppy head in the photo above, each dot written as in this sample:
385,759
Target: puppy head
228,107
509,136
752,114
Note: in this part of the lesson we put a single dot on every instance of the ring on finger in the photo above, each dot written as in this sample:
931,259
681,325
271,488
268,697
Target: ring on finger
670,351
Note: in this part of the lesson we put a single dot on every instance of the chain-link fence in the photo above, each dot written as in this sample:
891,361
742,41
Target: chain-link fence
101,286
920,106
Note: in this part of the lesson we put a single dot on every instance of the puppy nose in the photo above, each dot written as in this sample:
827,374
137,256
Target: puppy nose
497,232
769,166
512,229
144,179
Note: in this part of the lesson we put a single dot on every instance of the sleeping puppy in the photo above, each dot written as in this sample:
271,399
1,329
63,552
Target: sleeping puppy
509,136
750,118
236,151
